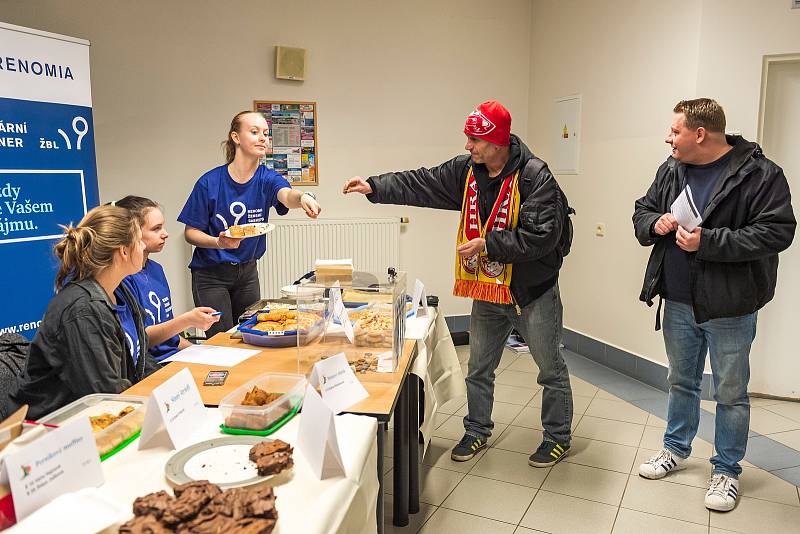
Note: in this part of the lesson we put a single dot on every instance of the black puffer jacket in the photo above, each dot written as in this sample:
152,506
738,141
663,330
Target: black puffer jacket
532,247
747,222
80,349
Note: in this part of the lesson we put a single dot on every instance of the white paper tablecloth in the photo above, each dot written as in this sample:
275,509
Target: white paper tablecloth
436,364
305,504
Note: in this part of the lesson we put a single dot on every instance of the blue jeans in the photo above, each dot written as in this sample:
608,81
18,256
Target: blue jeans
728,342
540,326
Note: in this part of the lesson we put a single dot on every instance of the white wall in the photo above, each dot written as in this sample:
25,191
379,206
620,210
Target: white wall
632,61
394,83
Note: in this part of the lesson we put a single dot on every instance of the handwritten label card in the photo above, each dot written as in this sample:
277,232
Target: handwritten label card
174,407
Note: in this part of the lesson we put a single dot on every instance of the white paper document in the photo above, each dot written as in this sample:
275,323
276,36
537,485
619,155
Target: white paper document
212,355
174,412
316,437
338,383
61,461
685,210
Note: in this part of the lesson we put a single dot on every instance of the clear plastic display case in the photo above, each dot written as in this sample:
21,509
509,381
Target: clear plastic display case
364,318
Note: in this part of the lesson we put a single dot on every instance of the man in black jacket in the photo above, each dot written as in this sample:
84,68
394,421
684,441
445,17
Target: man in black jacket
714,279
513,235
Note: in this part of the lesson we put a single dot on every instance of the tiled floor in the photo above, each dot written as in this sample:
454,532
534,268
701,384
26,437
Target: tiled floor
597,488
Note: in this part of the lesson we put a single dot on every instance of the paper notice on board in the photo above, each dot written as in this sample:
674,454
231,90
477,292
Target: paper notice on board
685,210
285,135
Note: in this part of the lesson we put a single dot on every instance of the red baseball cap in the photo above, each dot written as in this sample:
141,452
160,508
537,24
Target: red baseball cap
490,121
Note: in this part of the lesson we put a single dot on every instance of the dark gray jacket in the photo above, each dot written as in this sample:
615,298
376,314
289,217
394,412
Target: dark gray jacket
79,349
536,247
747,222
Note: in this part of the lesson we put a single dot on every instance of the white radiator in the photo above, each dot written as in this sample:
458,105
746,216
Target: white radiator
294,246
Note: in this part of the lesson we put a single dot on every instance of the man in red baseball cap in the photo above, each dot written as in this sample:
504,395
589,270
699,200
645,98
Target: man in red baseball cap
514,233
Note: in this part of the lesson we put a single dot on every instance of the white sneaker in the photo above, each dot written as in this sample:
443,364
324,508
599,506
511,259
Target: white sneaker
661,464
723,491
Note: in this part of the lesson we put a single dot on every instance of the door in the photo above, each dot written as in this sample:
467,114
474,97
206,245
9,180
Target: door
775,359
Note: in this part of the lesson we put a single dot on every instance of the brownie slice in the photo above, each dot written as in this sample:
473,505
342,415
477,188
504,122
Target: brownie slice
191,499
144,524
242,502
152,504
274,463
265,448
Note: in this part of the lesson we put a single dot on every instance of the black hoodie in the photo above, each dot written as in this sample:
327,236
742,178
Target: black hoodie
748,220
532,247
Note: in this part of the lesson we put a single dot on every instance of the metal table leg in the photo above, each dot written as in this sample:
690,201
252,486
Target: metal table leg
413,444
381,437
401,472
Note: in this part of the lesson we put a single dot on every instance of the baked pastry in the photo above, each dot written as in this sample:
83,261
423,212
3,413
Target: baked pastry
190,499
266,448
105,420
273,464
235,511
152,504
145,524
259,397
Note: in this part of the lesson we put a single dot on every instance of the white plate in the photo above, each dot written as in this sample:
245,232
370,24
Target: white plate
261,229
224,461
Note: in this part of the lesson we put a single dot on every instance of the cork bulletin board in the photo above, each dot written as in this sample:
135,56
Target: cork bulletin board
293,150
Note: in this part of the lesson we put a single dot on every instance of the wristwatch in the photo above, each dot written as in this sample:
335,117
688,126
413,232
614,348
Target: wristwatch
312,195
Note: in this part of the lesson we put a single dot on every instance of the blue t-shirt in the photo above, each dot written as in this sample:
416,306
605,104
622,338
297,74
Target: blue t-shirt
218,202
702,179
151,290
126,320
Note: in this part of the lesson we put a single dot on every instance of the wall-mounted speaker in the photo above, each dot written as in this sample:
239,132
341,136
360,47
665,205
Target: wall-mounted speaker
290,63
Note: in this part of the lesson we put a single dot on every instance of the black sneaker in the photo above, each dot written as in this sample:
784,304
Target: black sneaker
549,453
467,448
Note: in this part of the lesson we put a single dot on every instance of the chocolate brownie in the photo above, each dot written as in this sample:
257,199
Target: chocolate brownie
152,504
274,463
266,448
144,524
191,498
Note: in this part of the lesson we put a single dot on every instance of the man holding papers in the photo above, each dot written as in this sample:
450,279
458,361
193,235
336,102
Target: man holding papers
717,215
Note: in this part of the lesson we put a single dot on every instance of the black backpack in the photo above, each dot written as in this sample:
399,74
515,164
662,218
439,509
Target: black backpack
533,168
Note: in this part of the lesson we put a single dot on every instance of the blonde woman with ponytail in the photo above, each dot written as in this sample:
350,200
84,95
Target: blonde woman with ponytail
224,275
92,337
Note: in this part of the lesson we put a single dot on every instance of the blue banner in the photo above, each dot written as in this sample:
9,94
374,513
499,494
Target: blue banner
48,178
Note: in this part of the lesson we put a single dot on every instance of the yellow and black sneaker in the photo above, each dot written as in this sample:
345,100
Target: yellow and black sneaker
549,453
467,448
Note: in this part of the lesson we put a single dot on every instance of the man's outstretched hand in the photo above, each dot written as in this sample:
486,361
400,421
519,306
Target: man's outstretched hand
357,184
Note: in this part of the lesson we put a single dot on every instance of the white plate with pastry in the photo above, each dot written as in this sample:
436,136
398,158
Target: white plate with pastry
249,230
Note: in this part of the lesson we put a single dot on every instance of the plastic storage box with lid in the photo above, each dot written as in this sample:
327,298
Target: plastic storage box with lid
378,327
291,388
115,436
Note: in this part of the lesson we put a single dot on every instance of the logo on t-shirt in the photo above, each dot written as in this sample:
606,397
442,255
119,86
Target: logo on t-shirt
237,209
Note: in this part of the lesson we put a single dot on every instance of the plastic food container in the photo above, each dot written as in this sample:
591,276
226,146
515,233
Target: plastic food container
279,338
292,387
302,292
114,437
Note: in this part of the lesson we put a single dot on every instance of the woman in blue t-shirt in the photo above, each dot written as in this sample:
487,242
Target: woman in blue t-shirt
224,274
92,337
151,289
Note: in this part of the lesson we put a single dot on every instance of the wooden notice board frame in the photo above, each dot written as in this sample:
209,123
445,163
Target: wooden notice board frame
293,124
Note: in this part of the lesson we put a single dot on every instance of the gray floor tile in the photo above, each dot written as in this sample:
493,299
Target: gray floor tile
771,455
493,499
445,521
564,514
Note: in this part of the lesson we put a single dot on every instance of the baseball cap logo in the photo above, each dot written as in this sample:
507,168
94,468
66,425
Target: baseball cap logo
478,124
